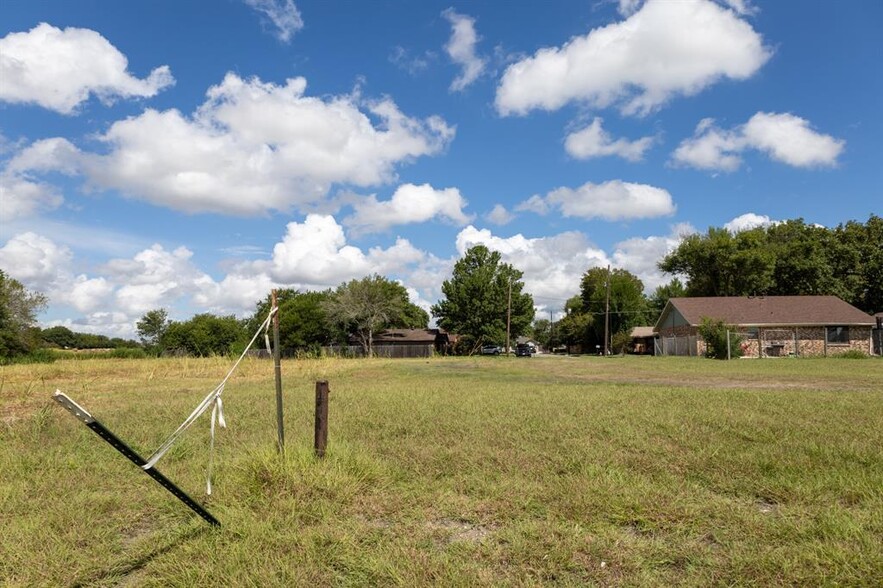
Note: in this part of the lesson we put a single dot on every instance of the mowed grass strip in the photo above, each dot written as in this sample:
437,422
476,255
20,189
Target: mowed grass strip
452,471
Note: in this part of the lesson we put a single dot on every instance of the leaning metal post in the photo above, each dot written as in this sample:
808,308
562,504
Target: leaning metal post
83,415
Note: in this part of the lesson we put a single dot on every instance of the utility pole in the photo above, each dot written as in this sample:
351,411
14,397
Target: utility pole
551,330
508,315
607,315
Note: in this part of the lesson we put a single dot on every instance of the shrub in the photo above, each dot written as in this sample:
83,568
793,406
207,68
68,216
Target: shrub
620,342
714,332
127,353
35,356
852,354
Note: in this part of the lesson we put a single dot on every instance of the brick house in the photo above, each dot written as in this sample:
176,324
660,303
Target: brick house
770,326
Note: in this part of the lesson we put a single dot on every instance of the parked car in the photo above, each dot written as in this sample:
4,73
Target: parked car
491,349
523,350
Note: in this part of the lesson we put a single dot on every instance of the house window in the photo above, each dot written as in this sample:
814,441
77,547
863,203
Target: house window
838,335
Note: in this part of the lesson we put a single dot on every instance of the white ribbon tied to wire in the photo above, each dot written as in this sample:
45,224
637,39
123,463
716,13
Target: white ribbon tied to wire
214,400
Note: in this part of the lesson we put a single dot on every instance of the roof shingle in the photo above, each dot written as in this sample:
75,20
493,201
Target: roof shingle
771,310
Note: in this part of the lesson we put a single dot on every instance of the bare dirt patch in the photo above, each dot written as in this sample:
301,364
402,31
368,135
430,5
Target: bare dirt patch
460,530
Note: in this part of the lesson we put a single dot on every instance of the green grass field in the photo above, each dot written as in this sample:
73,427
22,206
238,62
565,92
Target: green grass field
452,471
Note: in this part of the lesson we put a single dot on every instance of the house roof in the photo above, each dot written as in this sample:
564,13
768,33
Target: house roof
767,310
642,332
408,336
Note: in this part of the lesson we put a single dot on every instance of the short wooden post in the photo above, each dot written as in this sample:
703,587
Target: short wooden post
321,438
277,365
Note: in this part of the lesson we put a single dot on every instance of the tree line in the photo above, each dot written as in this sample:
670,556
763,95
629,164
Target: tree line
19,335
355,310
786,259
484,300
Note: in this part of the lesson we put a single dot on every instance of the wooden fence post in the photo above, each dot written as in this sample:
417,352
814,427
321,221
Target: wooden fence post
321,437
277,368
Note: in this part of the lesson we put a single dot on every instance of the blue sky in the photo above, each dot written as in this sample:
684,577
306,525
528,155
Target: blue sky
193,155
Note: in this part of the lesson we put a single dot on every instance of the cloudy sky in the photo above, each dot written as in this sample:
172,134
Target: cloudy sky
192,155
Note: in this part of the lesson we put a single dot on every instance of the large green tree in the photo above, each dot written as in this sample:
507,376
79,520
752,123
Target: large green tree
303,321
720,263
628,305
18,316
857,261
576,327
787,258
59,336
204,335
477,297
362,308
802,255
152,327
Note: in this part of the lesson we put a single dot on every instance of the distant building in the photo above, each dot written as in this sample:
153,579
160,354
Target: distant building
643,340
401,343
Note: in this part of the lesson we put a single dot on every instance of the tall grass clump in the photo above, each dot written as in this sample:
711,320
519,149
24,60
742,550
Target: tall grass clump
852,354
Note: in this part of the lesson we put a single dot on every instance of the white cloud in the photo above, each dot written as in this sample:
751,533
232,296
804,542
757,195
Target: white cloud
594,141
33,259
791,140
640,255
22,194
21,197
461,49
86,294
315,255
613,200
552,266
59,69
409,204
56,154
783,137
154,278
236,293
663,50
250,148
499,215
282,14
394,259
748,221
315,252
535,204
710,148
